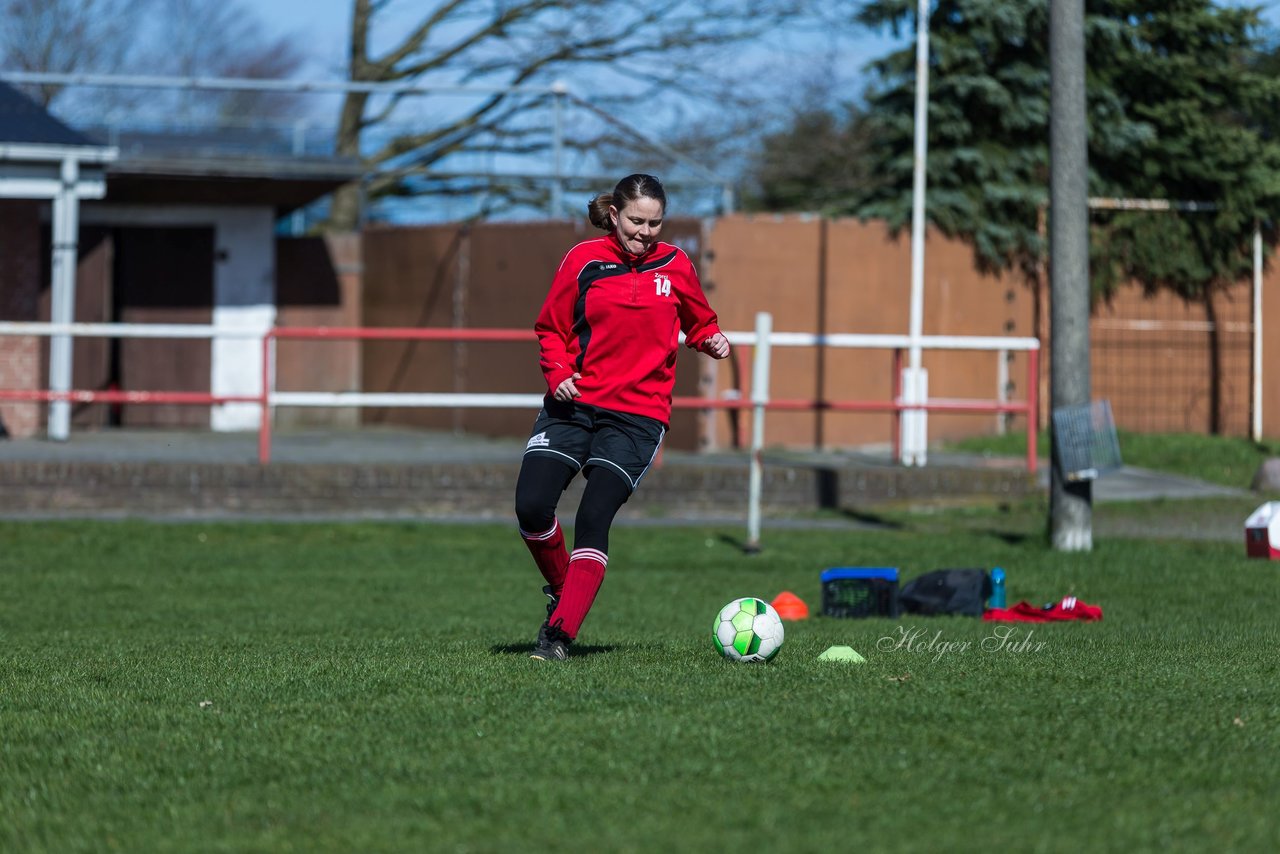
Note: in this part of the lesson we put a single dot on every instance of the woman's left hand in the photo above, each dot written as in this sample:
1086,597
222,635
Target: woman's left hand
717,346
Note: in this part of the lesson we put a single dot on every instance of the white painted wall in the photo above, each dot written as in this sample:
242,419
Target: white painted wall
244,299
243,291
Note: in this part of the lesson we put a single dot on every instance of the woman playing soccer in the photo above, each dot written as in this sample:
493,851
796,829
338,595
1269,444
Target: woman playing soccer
609,334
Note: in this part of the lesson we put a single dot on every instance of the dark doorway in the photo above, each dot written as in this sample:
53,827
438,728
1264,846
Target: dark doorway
139,275
163,275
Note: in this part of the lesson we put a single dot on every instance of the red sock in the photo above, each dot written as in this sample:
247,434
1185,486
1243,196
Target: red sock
586,572
548,553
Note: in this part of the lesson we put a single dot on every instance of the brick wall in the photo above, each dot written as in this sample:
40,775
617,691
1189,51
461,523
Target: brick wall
1170,365
1165,364
20,364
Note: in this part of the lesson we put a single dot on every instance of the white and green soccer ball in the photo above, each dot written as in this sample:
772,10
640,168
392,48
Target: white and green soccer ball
748,629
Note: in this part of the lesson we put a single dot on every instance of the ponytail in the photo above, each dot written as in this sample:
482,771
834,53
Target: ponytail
598,211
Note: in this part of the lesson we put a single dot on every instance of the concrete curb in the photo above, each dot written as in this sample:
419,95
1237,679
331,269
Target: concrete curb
447,490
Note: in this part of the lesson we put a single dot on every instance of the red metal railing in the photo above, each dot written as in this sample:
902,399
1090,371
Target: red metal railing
1028,408
267,398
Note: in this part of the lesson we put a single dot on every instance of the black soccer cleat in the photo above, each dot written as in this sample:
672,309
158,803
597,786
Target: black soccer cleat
552,645
553,601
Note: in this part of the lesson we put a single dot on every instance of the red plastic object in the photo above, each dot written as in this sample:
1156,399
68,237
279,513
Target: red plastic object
790,606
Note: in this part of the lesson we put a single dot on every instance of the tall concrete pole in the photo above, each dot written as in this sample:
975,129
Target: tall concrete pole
1070,503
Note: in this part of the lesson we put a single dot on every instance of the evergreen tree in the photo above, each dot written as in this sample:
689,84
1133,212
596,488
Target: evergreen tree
814,164
1176,106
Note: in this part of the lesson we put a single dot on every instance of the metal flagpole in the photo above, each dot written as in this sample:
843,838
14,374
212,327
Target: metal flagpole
915,383
1256,396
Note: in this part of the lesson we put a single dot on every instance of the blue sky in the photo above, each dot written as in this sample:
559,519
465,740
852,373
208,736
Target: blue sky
323,26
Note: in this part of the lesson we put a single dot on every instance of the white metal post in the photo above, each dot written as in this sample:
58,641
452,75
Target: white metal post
63,298
914,425
759,399
271,354
1256,427
1002,390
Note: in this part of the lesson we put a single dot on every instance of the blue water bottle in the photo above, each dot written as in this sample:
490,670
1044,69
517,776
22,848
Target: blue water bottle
997,599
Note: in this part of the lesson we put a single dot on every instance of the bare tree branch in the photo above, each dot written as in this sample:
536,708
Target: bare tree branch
183,37
67,36
636,52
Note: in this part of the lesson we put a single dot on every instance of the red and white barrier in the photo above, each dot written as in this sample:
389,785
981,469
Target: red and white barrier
763,339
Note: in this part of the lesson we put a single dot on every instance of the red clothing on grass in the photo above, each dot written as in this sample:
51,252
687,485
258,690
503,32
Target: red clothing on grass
1068,608
615,318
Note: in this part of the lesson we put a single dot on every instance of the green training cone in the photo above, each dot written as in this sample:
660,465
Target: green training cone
842,653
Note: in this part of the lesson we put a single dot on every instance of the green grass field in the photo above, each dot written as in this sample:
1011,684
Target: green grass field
366,687
1225,460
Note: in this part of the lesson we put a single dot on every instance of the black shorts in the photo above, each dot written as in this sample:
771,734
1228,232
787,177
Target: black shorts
582,435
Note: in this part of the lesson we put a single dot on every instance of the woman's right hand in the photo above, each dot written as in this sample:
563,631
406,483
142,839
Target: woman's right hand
568,389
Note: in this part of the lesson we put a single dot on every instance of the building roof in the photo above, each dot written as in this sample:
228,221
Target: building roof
22,120
168,167
283,182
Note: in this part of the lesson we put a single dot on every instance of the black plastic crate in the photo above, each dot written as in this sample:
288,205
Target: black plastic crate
864,591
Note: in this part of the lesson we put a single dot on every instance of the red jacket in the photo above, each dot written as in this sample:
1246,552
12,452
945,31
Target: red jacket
615,318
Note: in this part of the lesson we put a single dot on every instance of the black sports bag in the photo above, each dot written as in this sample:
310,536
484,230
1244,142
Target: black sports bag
947,591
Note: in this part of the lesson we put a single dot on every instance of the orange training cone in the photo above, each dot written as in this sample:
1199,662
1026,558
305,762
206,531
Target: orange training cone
790,606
